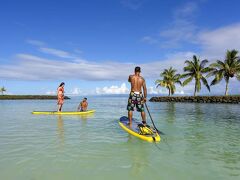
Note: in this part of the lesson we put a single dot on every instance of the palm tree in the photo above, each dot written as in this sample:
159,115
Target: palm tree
169,80
195,69
2,90
226,69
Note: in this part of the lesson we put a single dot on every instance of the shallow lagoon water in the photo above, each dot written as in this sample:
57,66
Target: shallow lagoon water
201,141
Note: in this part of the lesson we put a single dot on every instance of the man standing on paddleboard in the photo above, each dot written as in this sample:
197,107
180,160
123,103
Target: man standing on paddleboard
137,98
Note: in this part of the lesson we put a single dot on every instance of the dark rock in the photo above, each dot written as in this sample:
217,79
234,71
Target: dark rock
197,99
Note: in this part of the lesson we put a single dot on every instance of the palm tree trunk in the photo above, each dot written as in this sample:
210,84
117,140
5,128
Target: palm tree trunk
195,90
226,90
169,92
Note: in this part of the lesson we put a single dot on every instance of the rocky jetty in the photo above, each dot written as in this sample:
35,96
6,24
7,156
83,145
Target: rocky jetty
198,99
32,97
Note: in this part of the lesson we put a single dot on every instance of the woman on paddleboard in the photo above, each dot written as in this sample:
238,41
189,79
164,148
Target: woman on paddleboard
60,96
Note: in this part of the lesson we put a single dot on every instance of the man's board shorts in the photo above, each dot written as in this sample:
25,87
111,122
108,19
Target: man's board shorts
135,100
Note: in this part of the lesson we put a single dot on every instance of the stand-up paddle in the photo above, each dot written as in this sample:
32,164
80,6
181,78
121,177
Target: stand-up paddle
160,132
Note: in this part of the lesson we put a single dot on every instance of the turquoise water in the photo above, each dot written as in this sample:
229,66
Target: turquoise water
201,141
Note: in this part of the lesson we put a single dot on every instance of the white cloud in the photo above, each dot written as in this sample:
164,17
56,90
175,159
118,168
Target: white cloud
29,67
164,91
56,52
188,9
35,42
51,92
149,40
216,42
76,91
113,90
181,29
152,90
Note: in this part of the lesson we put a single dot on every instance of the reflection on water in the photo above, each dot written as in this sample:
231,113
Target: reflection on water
171,112
60,129
60,124
139,157
207,133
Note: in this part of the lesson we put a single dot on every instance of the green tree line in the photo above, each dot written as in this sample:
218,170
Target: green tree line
197,70
2,90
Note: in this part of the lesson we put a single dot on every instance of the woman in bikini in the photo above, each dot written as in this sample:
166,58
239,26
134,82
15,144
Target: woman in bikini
60,96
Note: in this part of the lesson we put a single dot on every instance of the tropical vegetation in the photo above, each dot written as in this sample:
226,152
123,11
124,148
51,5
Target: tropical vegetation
2,90
226,69
198,71
170,78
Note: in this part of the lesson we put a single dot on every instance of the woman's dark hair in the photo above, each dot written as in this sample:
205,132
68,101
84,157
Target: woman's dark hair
62,83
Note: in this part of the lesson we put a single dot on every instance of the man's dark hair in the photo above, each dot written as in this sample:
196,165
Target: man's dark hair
137,69
85,98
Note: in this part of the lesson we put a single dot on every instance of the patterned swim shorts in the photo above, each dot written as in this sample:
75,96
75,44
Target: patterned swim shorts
135,100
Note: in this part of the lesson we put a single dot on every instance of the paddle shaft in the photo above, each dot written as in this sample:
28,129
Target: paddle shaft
152,119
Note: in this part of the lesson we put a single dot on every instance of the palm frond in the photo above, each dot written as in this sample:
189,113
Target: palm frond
203,63
212,73
221,63
216,65
217,78
188,80
186,75
206,70
204,80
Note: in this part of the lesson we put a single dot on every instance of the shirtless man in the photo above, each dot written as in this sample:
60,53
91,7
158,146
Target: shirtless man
83,105
136,98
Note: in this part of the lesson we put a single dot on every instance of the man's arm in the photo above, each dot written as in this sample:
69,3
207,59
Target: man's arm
144,89
130,78
79,106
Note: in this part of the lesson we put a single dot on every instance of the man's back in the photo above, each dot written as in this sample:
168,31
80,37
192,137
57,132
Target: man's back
137,83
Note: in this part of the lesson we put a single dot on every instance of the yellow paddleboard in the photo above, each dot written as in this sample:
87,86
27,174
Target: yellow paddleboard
134,130
64,112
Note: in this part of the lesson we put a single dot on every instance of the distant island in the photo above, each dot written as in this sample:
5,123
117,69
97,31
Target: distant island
234,99
31,97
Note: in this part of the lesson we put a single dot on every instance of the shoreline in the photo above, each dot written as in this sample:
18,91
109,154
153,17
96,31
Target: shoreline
29,97
234,99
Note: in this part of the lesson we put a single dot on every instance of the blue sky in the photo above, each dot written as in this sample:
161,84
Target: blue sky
94,45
